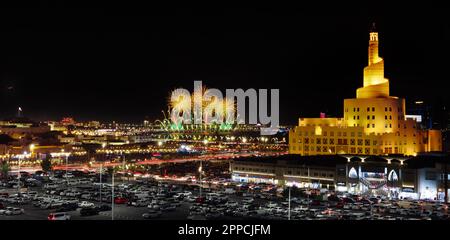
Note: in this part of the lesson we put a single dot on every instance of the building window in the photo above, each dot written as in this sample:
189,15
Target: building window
357,117
368,109
368,117
360,142
352,141
331,140
385,109
368,125
390,109
331,134
318,141
367,151
390,117
324,141
367,142
373,125
373,109
373,117
318,149
352,134
385,117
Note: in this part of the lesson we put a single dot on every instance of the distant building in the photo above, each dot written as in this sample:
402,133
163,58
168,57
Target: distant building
19,127
374,122
421,177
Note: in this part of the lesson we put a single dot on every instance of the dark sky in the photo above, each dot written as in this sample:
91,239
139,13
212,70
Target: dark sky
121,64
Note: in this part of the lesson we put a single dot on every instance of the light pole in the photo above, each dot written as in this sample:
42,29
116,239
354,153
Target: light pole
67,166
18,174
101,185
200,178
289,205
101,171
112,198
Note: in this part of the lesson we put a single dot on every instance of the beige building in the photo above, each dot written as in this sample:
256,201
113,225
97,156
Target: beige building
374,122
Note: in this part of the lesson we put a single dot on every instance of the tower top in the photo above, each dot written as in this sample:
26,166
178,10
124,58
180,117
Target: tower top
373,28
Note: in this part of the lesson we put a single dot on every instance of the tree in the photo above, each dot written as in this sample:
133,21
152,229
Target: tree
46,164
5,168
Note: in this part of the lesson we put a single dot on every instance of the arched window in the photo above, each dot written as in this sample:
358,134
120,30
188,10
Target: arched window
392,176
352,173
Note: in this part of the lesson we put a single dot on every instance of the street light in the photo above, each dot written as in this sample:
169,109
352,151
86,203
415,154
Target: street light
67,165
101,170
18,174
200,169
112,195
289,203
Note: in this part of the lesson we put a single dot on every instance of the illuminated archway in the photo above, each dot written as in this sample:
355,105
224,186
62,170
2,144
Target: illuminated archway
352,173
392,176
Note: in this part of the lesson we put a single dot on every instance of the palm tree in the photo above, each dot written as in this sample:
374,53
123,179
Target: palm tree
4,168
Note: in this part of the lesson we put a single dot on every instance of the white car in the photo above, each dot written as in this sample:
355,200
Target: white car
14,211
85,204
59,216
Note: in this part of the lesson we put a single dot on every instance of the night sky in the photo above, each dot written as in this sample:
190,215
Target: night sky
121,64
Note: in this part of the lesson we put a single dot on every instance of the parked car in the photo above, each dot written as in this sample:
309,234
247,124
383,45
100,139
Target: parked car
103,208
120,200
88,211
151,214
59,216
14,211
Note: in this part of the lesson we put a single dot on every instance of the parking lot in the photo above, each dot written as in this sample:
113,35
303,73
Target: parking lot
80,196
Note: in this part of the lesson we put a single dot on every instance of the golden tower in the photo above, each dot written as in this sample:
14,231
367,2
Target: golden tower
375,85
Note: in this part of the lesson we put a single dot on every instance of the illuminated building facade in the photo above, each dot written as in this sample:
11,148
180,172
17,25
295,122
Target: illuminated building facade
374,122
